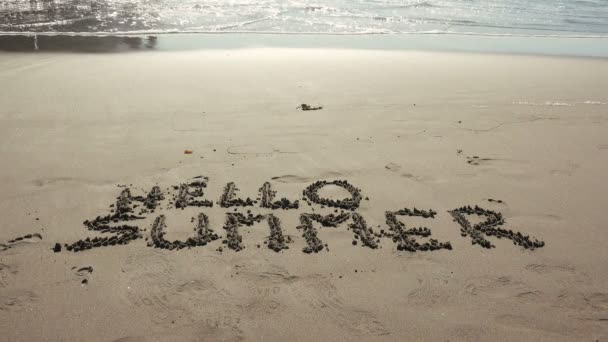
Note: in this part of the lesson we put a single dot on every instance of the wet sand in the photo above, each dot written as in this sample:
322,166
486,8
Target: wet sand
108,42
520,136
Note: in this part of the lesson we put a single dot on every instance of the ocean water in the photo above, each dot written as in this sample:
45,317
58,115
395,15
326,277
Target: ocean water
560,18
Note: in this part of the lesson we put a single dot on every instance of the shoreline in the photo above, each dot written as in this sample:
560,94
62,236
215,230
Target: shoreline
554,46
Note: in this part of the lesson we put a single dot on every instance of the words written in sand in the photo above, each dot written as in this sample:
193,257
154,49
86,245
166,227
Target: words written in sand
128,208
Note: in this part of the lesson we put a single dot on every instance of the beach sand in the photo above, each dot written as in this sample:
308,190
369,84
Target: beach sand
404,127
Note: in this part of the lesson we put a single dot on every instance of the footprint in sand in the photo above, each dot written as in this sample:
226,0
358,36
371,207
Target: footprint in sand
291,179
49,181
597,300
7,275
564,274
538,323
431,291
267,290
248,150
322,296
467,332
16,300
477,160
396,168
541,217
193,332
502,288
546,269
169,298
567,170
392,167
592,301
58,181
150,280
302,179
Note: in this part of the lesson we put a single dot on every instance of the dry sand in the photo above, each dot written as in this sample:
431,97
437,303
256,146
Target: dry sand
75,126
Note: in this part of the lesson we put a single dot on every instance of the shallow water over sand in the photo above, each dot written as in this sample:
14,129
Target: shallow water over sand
495,17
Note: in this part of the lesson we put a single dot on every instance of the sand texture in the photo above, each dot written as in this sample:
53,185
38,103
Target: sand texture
214,252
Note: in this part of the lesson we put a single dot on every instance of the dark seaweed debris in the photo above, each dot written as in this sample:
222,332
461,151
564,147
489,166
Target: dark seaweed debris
84,270
189,194
490,227
362,231
330,220
153,198
234,240
267,197
405,237
416,212
204,234
311,192
309,233
276,241
11,242
228,197
101,224
306,107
